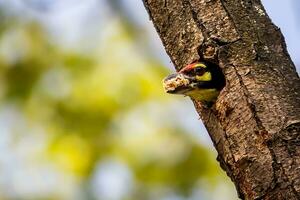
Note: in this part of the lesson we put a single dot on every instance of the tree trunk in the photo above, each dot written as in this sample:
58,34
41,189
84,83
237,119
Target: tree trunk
255,123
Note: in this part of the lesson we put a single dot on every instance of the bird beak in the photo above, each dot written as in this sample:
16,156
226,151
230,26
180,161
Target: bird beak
177,83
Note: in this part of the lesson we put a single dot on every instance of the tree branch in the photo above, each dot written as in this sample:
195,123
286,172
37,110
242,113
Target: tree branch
255,123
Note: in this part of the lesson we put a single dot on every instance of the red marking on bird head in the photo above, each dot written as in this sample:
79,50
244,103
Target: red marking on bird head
188,67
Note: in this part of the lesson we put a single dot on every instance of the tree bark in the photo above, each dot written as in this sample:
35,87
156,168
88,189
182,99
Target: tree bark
255,123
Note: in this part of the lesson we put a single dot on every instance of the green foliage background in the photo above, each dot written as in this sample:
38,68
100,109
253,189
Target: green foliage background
76,119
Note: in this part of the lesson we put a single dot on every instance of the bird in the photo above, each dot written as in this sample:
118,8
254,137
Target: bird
201,81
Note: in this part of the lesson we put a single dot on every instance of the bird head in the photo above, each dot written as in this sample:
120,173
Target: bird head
199,80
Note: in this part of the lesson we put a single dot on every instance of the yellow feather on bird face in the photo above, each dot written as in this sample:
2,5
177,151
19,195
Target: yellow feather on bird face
203,95
205,77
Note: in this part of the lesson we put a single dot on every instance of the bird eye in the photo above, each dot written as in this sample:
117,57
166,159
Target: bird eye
199,70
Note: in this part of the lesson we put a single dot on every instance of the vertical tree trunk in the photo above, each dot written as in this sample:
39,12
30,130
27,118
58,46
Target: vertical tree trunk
255,123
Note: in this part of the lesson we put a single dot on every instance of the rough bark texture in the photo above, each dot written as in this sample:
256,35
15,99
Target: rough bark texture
255,123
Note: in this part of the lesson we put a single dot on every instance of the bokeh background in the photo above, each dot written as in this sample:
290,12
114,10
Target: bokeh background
83,115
